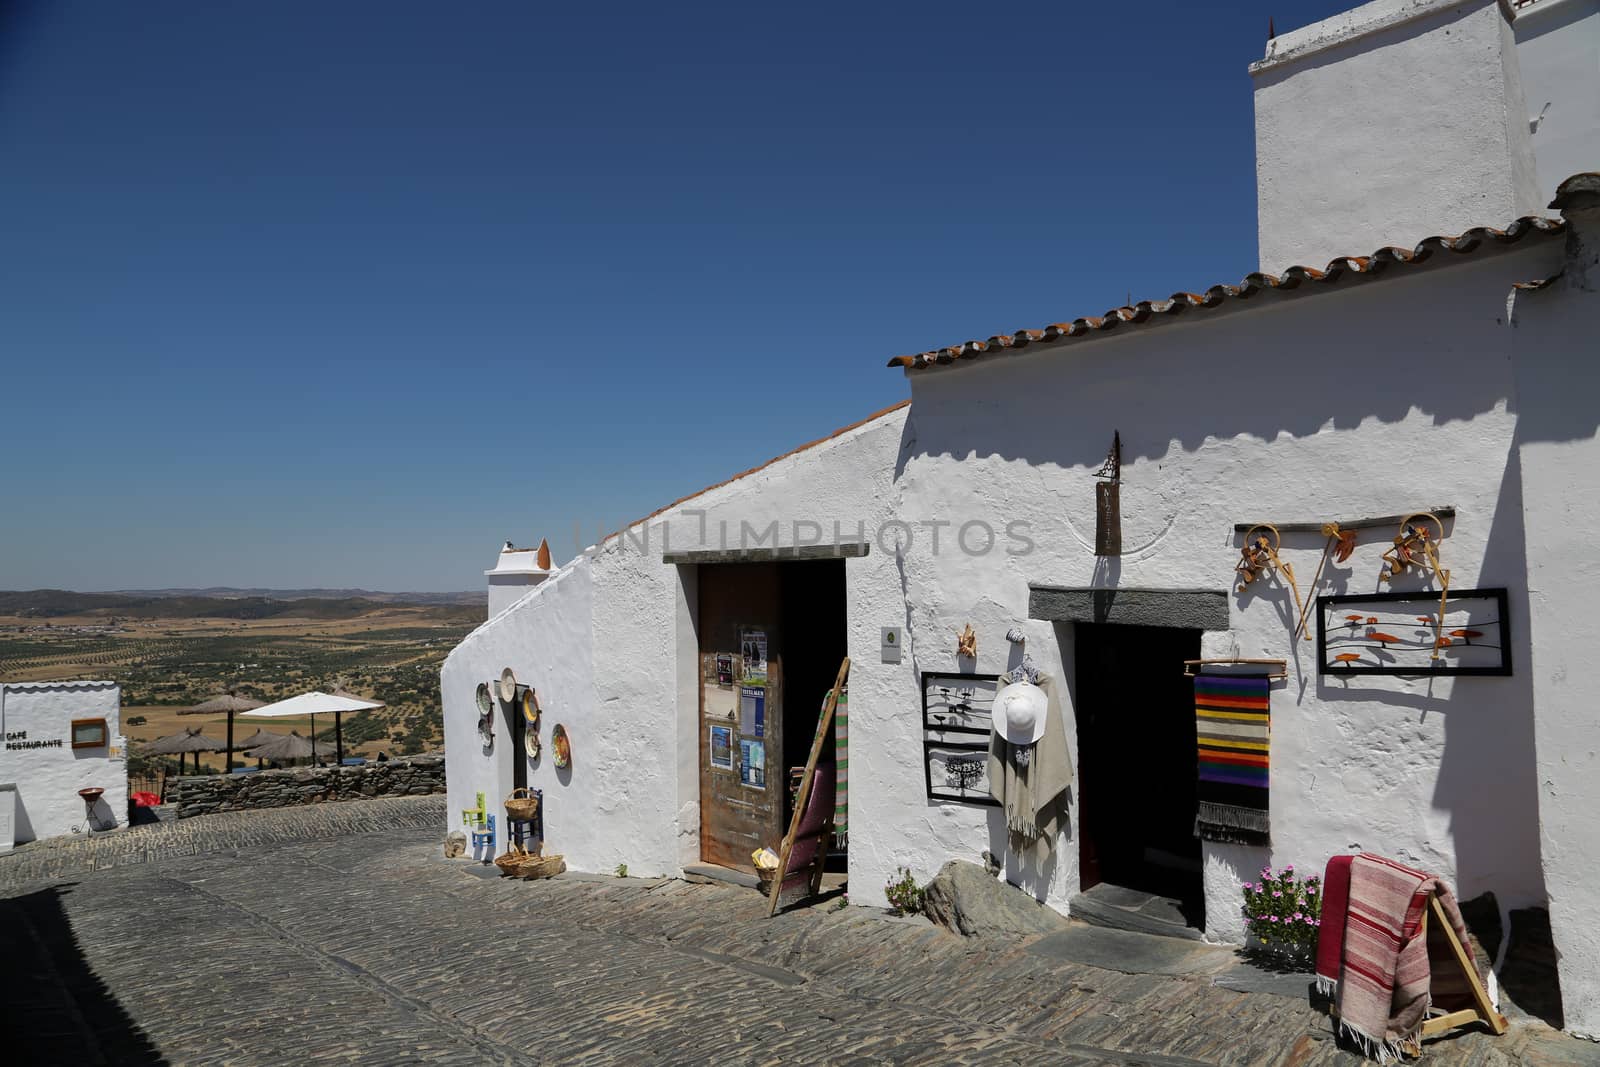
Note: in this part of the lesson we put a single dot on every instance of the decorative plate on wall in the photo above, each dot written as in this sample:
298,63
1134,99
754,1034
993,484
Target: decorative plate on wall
530,744
563,747
486,729
530,708
508,685
485,701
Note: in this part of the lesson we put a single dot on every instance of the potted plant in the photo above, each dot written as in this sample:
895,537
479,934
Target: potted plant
1283,915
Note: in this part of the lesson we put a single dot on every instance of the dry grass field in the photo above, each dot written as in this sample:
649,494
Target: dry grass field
387,652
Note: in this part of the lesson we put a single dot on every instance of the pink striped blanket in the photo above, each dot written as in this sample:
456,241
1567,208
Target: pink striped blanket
1386,981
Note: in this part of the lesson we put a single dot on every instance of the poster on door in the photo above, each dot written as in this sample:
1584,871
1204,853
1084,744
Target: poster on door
753,711
725,669
754,654
722,747
753,764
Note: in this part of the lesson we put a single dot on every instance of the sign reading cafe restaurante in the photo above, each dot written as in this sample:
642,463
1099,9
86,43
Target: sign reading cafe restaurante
19,739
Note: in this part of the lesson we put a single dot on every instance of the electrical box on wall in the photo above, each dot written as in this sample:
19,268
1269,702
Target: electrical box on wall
889,644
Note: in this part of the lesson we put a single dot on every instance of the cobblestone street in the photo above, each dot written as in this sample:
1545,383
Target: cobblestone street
339,933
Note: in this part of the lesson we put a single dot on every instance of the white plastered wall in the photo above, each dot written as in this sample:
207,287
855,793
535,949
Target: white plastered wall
1378,398
1558,53
1386,124
48,778
609,643
1558,404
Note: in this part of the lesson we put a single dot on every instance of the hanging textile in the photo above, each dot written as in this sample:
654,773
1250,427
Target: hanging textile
1233,726
841,766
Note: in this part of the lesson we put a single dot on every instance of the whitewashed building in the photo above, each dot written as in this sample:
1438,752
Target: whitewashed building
1439,357
61,738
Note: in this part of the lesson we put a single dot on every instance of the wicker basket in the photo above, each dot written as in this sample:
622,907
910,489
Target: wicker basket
524,807
515,862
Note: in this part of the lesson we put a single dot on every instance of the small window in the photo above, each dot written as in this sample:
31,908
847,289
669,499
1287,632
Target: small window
88,733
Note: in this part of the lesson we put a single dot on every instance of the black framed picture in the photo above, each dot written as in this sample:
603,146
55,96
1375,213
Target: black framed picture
1409,634
957,718
958,703
957,771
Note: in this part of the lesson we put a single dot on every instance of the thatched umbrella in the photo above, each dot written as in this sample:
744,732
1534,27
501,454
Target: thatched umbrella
229,702
288,746
256,740
180,743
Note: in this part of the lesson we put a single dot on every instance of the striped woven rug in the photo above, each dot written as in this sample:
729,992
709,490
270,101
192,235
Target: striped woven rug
841,742
1233,726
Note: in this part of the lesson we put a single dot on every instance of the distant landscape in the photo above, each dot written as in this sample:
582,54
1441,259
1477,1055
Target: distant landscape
170,649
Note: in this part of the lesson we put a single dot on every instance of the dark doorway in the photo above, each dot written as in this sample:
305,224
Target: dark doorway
814,646
1136,747
517,727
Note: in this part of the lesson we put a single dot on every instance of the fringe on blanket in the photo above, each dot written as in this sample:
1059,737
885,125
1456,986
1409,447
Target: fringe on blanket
1373,1048
1326,986
1239,826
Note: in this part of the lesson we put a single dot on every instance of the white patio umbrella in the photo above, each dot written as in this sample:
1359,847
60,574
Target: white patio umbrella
314,704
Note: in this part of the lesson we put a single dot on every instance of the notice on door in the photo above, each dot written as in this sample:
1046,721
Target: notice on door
753,764
754,649
753,711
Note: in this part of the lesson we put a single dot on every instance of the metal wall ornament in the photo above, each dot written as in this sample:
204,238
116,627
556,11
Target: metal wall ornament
1341,543
1108,501
957,720
1386,633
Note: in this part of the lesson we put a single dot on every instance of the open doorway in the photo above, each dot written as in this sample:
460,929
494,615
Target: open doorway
1137,763
771,636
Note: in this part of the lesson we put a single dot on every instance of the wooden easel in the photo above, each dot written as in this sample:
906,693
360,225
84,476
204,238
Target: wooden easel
824,724
1482,1009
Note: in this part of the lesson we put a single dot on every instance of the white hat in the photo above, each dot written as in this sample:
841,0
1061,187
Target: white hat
1020,710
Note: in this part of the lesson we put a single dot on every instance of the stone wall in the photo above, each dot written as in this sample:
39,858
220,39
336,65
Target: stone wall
201,795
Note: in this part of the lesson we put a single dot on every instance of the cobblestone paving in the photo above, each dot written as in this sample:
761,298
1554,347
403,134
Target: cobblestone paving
241,942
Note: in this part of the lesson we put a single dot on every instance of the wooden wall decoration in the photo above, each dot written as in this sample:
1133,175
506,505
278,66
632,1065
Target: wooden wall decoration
1409,634
956,726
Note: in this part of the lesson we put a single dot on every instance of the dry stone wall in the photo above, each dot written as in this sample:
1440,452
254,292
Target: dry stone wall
201,795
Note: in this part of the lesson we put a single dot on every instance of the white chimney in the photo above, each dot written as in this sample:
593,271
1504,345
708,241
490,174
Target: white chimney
1387,124
515,572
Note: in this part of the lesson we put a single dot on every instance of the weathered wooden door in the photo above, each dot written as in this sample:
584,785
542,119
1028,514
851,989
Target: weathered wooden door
741,712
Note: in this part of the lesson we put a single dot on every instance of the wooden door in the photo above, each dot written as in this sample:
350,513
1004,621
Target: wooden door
741,712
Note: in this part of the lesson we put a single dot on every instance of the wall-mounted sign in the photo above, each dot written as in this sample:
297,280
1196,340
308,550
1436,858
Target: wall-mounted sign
957,721
89,733
753,711
18,740
889,644
1408,633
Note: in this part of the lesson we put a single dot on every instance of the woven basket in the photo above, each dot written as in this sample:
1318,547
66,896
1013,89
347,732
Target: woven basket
516,862
522,807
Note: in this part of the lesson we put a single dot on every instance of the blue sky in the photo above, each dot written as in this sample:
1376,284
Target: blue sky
303,294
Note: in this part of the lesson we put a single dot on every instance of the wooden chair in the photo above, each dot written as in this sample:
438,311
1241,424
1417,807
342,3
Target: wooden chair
812,839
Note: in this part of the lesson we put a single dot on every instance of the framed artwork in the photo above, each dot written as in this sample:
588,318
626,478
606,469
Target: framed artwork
89,733
1411,634
958,703
957,771
957,719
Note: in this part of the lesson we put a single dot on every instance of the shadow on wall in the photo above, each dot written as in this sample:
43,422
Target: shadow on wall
1307,366
53,1009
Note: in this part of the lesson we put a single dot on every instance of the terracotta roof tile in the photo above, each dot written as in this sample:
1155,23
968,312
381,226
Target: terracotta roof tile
1217,295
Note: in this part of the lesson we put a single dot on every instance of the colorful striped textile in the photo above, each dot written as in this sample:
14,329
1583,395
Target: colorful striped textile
841,766
1388,978
1232,728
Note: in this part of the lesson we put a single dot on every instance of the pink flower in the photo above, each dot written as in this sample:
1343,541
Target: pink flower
1272,918
1318,922
1247,885
1311,890
1289,869
1277,892
1297,916
1312,922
